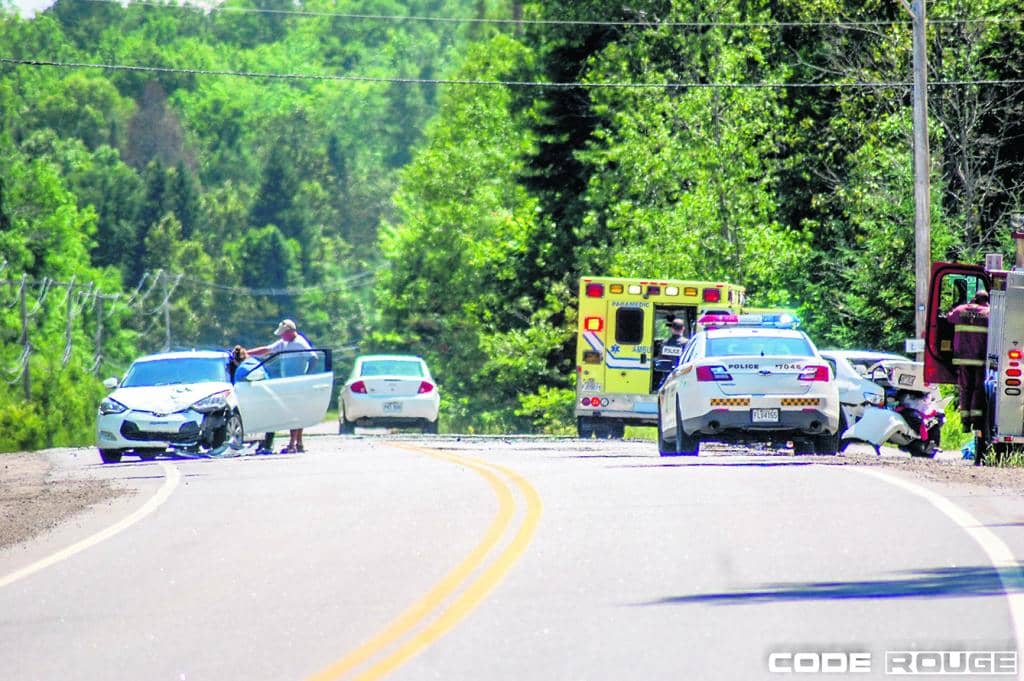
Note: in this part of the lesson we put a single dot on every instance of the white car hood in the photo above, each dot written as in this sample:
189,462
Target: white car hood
166,399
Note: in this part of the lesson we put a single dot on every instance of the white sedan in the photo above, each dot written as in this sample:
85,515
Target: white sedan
191,401
856,390
749,383
391,391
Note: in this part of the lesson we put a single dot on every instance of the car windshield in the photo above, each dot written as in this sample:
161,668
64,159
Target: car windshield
391,367
736,346
180,370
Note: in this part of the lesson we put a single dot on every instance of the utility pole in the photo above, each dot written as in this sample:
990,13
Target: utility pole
26,381
922,163
167,315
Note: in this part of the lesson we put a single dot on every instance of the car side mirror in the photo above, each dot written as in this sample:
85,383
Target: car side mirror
111,383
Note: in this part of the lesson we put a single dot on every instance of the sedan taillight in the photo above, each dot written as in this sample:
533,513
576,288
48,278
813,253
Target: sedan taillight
713,373
358,387
815,373
425,387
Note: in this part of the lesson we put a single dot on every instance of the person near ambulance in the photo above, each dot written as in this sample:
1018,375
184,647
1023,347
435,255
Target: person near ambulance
970,343
678,338
673,347
289,338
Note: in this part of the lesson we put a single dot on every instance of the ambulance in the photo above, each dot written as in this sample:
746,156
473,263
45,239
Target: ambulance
621,326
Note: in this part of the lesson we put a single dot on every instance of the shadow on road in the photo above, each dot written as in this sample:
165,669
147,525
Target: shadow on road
958,582
715,464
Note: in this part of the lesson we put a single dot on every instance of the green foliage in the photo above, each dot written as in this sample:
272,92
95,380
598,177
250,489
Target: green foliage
550,410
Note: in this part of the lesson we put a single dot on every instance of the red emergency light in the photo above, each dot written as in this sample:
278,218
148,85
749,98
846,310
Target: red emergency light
595,290
712,295
1013,372
595,324
1015,354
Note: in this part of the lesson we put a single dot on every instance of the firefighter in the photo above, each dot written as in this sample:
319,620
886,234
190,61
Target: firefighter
970,343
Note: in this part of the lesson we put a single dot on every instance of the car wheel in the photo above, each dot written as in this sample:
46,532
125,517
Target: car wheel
803,446
687,445
430,427
234,431
149,454
666,446
827,444
922,448
345,427
111,455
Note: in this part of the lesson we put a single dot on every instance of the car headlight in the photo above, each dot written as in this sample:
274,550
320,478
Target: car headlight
214,402
877,399
109,406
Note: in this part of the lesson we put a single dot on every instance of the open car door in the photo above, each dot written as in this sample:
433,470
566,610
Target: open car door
286,390
951,284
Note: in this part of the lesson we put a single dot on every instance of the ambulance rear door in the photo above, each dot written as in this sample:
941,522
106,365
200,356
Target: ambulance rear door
628,360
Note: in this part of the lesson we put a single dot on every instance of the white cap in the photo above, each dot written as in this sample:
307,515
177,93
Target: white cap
286,325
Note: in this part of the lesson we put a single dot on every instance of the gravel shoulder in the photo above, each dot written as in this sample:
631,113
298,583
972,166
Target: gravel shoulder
36,496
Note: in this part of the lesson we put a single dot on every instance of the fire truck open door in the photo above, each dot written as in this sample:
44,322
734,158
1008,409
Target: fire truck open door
951,284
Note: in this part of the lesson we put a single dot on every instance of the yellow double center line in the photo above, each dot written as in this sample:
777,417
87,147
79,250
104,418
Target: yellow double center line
419,616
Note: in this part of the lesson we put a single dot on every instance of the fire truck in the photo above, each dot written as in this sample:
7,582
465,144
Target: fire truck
622,324
953,283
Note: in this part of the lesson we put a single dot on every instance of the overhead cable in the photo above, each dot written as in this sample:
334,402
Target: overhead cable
668,85
641,22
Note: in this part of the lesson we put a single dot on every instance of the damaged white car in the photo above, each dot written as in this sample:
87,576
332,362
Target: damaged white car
197,401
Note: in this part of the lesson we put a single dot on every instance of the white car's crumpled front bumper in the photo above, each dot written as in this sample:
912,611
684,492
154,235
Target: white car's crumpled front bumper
131,428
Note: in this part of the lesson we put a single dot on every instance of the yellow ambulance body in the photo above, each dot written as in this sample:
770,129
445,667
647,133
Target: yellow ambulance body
622,323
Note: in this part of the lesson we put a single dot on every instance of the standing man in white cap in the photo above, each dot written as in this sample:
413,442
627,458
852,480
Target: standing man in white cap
289,338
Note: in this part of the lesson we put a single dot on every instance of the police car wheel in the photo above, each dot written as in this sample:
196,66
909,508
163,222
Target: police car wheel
687,445
826,444
666,446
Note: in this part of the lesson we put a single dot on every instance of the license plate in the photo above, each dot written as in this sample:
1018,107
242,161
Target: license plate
764,415
392,407
158,425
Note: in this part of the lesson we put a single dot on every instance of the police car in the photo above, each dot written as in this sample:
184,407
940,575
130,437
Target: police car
749,378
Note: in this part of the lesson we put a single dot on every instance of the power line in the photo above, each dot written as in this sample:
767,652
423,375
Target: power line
650,23
672,85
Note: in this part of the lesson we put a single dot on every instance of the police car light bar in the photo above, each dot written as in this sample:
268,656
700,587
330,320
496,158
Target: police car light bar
719,320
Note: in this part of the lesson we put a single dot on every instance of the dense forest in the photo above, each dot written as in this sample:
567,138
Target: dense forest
433,176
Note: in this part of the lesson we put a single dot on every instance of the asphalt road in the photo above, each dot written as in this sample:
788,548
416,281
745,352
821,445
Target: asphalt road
506,559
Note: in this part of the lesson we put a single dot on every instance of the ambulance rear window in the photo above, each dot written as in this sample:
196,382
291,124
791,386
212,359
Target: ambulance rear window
629,325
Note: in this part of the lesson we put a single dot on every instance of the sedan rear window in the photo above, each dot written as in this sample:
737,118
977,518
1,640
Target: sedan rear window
172,371
735,346
391,367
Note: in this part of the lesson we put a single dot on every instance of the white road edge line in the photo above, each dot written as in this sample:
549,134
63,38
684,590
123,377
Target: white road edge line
171,478
999,554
